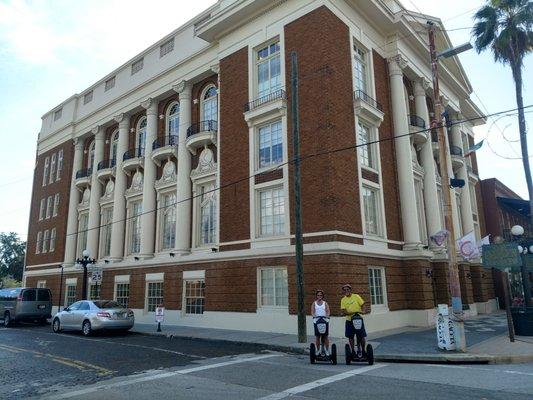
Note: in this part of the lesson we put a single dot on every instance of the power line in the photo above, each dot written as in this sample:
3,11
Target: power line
17,181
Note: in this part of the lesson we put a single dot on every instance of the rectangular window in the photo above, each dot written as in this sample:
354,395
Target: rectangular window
154,295
268,69
274,287
122,294
57,114
53,234
360,69
110,84
366,154
166,47
49,205
376,283
207,214
135,227
41,284
106,231
137,66
94,291
46,170
88,97
168,220
59,164
370,204
70,295
82,232
42,209
56,205
53,168
272,212
38,242
194,296
270,145
46,238
420,209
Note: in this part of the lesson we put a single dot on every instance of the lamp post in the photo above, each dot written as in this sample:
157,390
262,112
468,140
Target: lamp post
524,247
84,261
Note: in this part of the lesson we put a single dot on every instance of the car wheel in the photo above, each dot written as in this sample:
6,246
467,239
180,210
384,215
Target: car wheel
56,325
7,319
86,328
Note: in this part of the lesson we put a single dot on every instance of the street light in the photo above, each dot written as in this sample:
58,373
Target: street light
524,246
84,261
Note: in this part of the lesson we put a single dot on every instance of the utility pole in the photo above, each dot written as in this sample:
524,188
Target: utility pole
302,330
453,273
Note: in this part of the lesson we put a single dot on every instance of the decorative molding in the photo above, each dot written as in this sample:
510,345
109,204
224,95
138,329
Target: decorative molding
146,104
85,200
119,118
396,64
420,87
78,144
183,88
168,176
109,192
95,130
136,184
206,165
215,68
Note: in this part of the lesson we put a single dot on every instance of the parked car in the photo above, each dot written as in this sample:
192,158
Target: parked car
93,315
25,304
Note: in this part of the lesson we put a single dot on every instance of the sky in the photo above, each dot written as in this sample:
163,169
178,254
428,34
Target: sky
51,49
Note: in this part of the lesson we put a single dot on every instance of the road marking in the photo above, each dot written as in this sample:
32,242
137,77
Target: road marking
159,375
497,371
320,382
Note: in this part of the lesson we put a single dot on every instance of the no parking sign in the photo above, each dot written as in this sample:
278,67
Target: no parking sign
159,314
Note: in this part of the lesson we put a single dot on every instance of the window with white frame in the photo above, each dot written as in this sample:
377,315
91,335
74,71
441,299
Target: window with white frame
274,288
59,164
94,291
56,205
371,210
209,105
420,209
90,159
46,239
41,284
114,146
140,140
106,231
194,296
53,234
57,114
473,199
83,224
271,211
38,242
173,119
70,294
49,206
377,286
154,295
52,168
122,294
135,227
270,145
42,209
268,67
46,170
87,97
166,47
207,213
137,66
360,68
167,214
109,84
366,150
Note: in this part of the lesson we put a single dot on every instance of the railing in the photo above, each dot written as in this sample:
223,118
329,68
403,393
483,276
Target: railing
104,164
359,94
133,153
202,126
170,140
276,95
456,151
84,173
415,120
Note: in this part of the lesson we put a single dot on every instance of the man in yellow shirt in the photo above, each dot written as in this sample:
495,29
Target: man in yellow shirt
351,304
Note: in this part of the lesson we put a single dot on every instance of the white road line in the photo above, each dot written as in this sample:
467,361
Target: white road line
155,376
496,371
320,382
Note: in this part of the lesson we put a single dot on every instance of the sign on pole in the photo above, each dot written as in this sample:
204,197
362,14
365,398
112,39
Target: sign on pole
501,256
159,314
96,275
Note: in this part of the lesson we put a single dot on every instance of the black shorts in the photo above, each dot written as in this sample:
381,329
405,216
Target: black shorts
350,332
318,333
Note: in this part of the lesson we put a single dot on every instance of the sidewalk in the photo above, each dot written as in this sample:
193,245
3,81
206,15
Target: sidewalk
486,337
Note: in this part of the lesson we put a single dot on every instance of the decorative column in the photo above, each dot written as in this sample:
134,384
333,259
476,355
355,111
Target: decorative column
96,193
451,174
431,196
149,214
119,203
411,231
74,200
183,214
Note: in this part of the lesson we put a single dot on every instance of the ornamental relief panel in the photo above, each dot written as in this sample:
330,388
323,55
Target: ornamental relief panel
206,165
168,177
136,184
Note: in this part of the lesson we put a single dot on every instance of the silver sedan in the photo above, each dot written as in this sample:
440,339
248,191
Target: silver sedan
93,315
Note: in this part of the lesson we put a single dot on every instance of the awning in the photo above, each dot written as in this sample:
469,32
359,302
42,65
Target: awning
518,205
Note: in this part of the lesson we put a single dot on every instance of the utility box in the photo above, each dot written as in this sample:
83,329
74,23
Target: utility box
523,321
445,331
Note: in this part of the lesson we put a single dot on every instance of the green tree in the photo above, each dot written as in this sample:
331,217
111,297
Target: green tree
505,27
12,252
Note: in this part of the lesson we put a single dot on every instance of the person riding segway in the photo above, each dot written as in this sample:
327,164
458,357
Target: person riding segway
319,351
352,305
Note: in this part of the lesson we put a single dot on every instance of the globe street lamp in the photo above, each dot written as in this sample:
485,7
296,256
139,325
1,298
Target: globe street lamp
524,247
84,261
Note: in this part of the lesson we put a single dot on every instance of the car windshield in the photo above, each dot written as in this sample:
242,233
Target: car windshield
107,304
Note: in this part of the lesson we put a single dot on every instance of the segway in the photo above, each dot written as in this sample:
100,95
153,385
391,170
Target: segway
320,355
361,355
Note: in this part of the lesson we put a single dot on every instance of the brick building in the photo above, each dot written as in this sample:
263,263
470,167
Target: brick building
173,170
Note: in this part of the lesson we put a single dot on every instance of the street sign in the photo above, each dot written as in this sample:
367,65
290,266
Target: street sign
501,256
96,275
159,314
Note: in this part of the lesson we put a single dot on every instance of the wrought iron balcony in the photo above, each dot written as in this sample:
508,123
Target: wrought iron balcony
359,94
201,134
170,140
104,164
133,153
276,95
415,120
84,173
202,126
164,147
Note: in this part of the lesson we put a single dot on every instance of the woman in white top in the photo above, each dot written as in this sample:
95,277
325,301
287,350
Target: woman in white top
320,308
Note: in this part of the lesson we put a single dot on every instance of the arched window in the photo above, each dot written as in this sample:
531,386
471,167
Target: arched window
173,119
209,104
90,159
140,141
114,145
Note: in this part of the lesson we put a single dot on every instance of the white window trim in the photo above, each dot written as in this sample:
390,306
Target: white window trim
380,308
60,162
90,150
196,213
55,209
256,141
373,148
380,211
202,100
137,132
189,276
159,220
114,136
46,170
101,235
147,282
53,164
52,240
129,208
167,115
254,50
272,185
38,244
80,214
356,39
42,209
260,307
46,240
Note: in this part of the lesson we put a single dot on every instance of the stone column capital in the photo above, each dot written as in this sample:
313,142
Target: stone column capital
78,143
150,105
420,86
95,129
396,65
183,88
215,68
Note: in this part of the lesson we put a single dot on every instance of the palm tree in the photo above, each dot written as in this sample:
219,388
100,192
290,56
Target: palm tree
506,27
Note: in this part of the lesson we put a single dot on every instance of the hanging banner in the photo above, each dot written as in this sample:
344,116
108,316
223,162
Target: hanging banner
467,246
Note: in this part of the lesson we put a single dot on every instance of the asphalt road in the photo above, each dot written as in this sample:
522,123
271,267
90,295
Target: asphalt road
34,362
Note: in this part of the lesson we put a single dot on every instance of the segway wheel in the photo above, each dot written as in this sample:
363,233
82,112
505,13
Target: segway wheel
348,354
334,354
370,354
312,353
